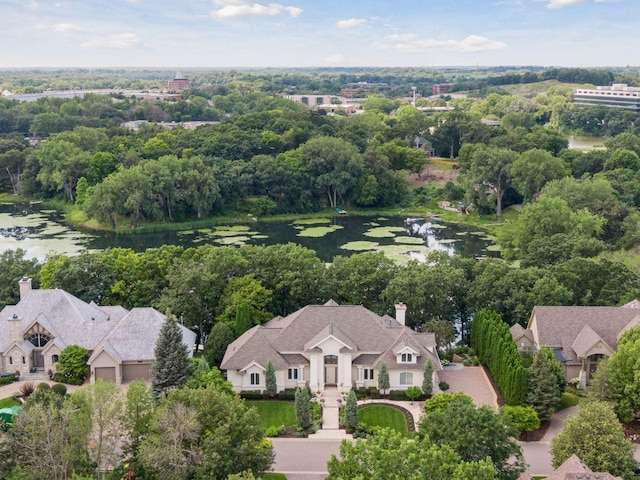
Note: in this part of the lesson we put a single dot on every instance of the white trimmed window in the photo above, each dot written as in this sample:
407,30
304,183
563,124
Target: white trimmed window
255,379
292,374
406,378
406,358
367,374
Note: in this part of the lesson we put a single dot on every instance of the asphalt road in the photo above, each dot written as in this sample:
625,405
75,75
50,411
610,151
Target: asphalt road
305,459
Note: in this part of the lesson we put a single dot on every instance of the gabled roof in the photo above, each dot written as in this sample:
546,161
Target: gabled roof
517,332
586,340
66,316
367,336
558,327
573,469
134,336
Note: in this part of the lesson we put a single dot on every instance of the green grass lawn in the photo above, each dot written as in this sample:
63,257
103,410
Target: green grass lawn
274,413
274,476
383,416
568,400
8,402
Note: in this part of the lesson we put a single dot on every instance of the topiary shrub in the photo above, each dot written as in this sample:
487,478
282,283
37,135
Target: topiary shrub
59,389
43,387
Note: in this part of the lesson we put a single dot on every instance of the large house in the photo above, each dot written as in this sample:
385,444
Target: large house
579,336
44,322
331,345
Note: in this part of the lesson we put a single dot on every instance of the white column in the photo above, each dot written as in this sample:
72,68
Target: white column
313,372
346,368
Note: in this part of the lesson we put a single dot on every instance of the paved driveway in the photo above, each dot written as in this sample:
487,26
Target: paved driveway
470,380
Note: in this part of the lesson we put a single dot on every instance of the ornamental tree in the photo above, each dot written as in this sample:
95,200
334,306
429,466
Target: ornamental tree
351,412
427,378
596,436
383,378
270,379
303,417
72,365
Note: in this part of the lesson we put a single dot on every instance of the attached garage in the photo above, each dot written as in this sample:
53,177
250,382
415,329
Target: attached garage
106,373
136,371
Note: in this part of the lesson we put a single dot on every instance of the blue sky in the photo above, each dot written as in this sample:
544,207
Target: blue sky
317,33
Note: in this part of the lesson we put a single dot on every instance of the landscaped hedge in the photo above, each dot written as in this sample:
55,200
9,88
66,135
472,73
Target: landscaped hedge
253,395
491,339
7,378
287,394
399,395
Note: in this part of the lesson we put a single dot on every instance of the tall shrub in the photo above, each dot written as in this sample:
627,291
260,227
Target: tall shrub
427,378
270,379
491,339
351,412
72,365
383,378
303,418
172,367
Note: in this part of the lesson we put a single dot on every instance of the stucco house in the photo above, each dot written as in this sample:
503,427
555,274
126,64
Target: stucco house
35,330
579,336
331,346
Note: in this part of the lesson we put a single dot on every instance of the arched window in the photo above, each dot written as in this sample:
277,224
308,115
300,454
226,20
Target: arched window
54,358
406,378
38,340
330,359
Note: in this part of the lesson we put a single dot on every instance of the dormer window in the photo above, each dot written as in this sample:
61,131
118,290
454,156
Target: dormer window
406,358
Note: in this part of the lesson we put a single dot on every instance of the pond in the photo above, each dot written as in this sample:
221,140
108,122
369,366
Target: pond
42,232
586,142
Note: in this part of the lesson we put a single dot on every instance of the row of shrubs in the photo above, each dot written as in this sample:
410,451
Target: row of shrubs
363,393
7,378
286,394
27,388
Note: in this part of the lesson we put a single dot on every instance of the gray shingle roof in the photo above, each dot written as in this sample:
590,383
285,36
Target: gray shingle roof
62,314
133,338
573,469
558,327
362,330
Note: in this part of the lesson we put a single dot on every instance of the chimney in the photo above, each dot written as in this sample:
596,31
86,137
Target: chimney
401,310
25,286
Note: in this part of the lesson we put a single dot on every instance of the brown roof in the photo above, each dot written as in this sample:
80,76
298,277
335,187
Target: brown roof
558,327
574,469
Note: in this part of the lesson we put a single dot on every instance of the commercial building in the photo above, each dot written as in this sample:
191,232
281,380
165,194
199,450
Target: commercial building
618,95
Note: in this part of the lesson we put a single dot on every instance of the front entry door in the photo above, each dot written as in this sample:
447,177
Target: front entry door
38,359
330,375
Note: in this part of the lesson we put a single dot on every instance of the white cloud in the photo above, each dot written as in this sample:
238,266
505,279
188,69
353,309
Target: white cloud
562,3
242,8
120,41
351,23
410,43
67,28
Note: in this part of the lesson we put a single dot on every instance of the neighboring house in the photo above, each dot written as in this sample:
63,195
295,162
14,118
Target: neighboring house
44,322
579,336
331,345
573,469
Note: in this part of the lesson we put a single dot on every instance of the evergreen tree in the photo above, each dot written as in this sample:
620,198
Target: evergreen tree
303,417
243,319
383,378
544,394
270,379
172,366
218,340
427,378
351,411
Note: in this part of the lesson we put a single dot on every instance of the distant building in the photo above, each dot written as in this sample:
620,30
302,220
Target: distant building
618,95
330,104
179,83
441,88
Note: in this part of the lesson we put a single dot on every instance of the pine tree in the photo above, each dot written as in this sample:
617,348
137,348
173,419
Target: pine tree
351,412
544,394
383,378
427,378
270,379
303,418
172,366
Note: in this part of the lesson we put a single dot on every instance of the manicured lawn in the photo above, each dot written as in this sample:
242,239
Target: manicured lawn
274,413
382,416
568,400
274,476
8,402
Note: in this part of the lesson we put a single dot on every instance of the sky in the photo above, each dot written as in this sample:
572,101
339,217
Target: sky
318,33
